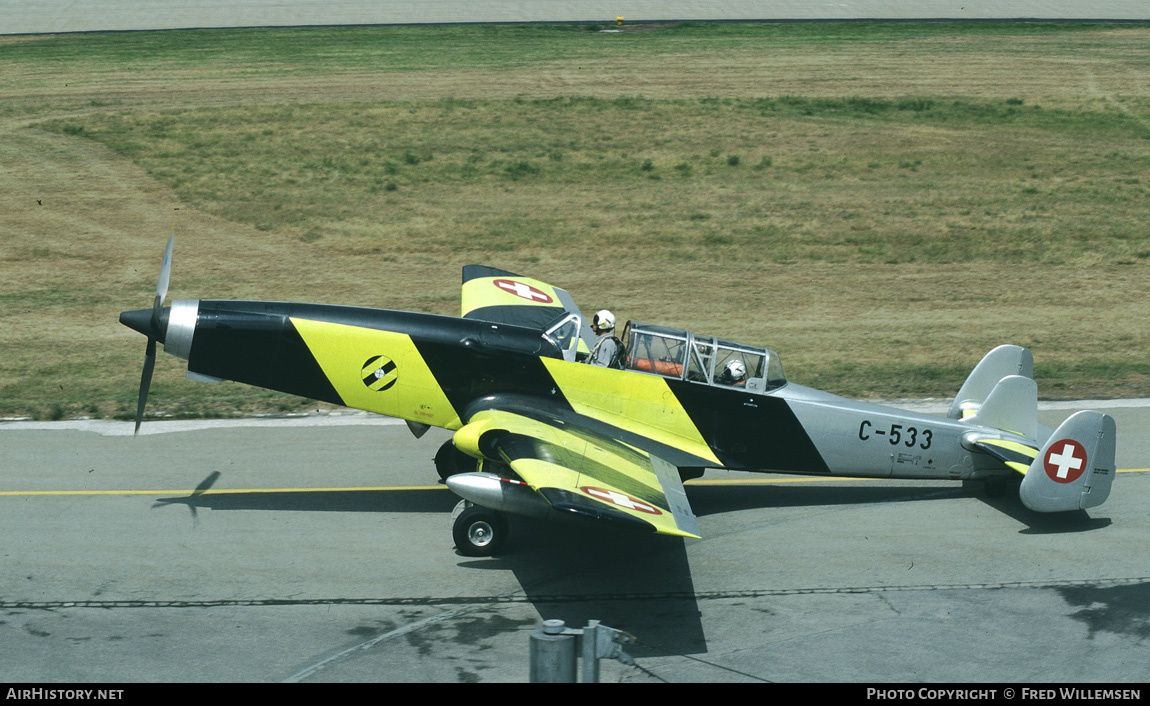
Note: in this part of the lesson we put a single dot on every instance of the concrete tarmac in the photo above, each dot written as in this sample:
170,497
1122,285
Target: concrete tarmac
206,552
47,16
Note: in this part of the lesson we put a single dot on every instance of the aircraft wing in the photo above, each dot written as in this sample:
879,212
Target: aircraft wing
502,297
590,474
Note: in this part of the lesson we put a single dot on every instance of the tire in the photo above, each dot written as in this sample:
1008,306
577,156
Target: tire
478,531
449,461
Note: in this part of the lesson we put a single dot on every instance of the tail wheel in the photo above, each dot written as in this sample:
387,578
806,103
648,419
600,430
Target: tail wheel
478,531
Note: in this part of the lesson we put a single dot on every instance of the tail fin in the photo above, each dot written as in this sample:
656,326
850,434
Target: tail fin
502,297
1001,362
1011,406
1075,468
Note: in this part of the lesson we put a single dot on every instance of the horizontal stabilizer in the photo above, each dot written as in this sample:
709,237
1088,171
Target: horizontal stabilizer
999,363
1076,466
1013,454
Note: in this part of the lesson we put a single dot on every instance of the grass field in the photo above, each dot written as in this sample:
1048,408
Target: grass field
880,203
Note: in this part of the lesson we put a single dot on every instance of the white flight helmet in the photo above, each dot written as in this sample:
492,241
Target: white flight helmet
603,322
735,371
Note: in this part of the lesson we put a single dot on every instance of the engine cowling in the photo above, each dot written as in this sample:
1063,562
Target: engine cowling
478,439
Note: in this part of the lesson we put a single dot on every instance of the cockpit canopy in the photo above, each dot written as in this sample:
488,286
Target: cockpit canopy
682,355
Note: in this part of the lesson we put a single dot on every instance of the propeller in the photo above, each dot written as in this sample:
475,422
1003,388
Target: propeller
152,324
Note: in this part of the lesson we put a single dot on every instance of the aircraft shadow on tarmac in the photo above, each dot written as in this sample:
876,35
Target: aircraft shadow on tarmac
705,500
575,571
578,571
1042,522
718,499
709,500
415,500
640,583
321,501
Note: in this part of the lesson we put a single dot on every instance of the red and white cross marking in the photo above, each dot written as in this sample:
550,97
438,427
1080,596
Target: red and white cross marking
523,291
1065,461
621,499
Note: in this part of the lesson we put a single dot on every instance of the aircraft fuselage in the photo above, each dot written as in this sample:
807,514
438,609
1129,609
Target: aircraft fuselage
441,370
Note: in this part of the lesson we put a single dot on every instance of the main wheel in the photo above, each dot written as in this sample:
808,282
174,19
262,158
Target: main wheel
478,531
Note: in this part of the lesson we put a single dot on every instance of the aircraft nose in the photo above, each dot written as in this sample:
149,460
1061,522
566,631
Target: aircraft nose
141,320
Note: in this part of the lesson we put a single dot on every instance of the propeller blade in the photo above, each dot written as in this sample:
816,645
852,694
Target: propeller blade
165,274
145,382
154,331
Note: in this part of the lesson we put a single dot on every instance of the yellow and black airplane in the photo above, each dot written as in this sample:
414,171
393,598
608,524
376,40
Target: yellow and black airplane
539,432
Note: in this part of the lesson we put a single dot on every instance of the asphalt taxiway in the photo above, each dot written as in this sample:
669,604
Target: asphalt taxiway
43,16
319,550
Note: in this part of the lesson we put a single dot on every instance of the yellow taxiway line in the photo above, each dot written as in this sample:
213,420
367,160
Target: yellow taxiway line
390,488
831,479
221,491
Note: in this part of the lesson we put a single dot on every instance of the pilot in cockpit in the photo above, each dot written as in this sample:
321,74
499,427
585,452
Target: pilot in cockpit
608,350
734,374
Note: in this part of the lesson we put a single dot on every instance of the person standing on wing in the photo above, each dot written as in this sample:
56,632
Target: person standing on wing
608,350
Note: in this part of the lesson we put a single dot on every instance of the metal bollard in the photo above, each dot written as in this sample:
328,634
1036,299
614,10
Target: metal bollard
552,654
554,648
590,659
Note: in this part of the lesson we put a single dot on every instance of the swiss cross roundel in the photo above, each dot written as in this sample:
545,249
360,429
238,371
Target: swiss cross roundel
523,291
1065,461
621,499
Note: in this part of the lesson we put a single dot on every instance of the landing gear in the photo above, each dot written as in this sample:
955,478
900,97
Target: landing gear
478,531
450,461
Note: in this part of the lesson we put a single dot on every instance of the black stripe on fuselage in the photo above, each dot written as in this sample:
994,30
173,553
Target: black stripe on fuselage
256,343
466,374
749,431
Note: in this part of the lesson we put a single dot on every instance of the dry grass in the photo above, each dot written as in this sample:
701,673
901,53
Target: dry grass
880,250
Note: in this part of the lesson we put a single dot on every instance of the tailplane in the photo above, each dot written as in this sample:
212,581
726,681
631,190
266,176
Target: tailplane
1070,468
